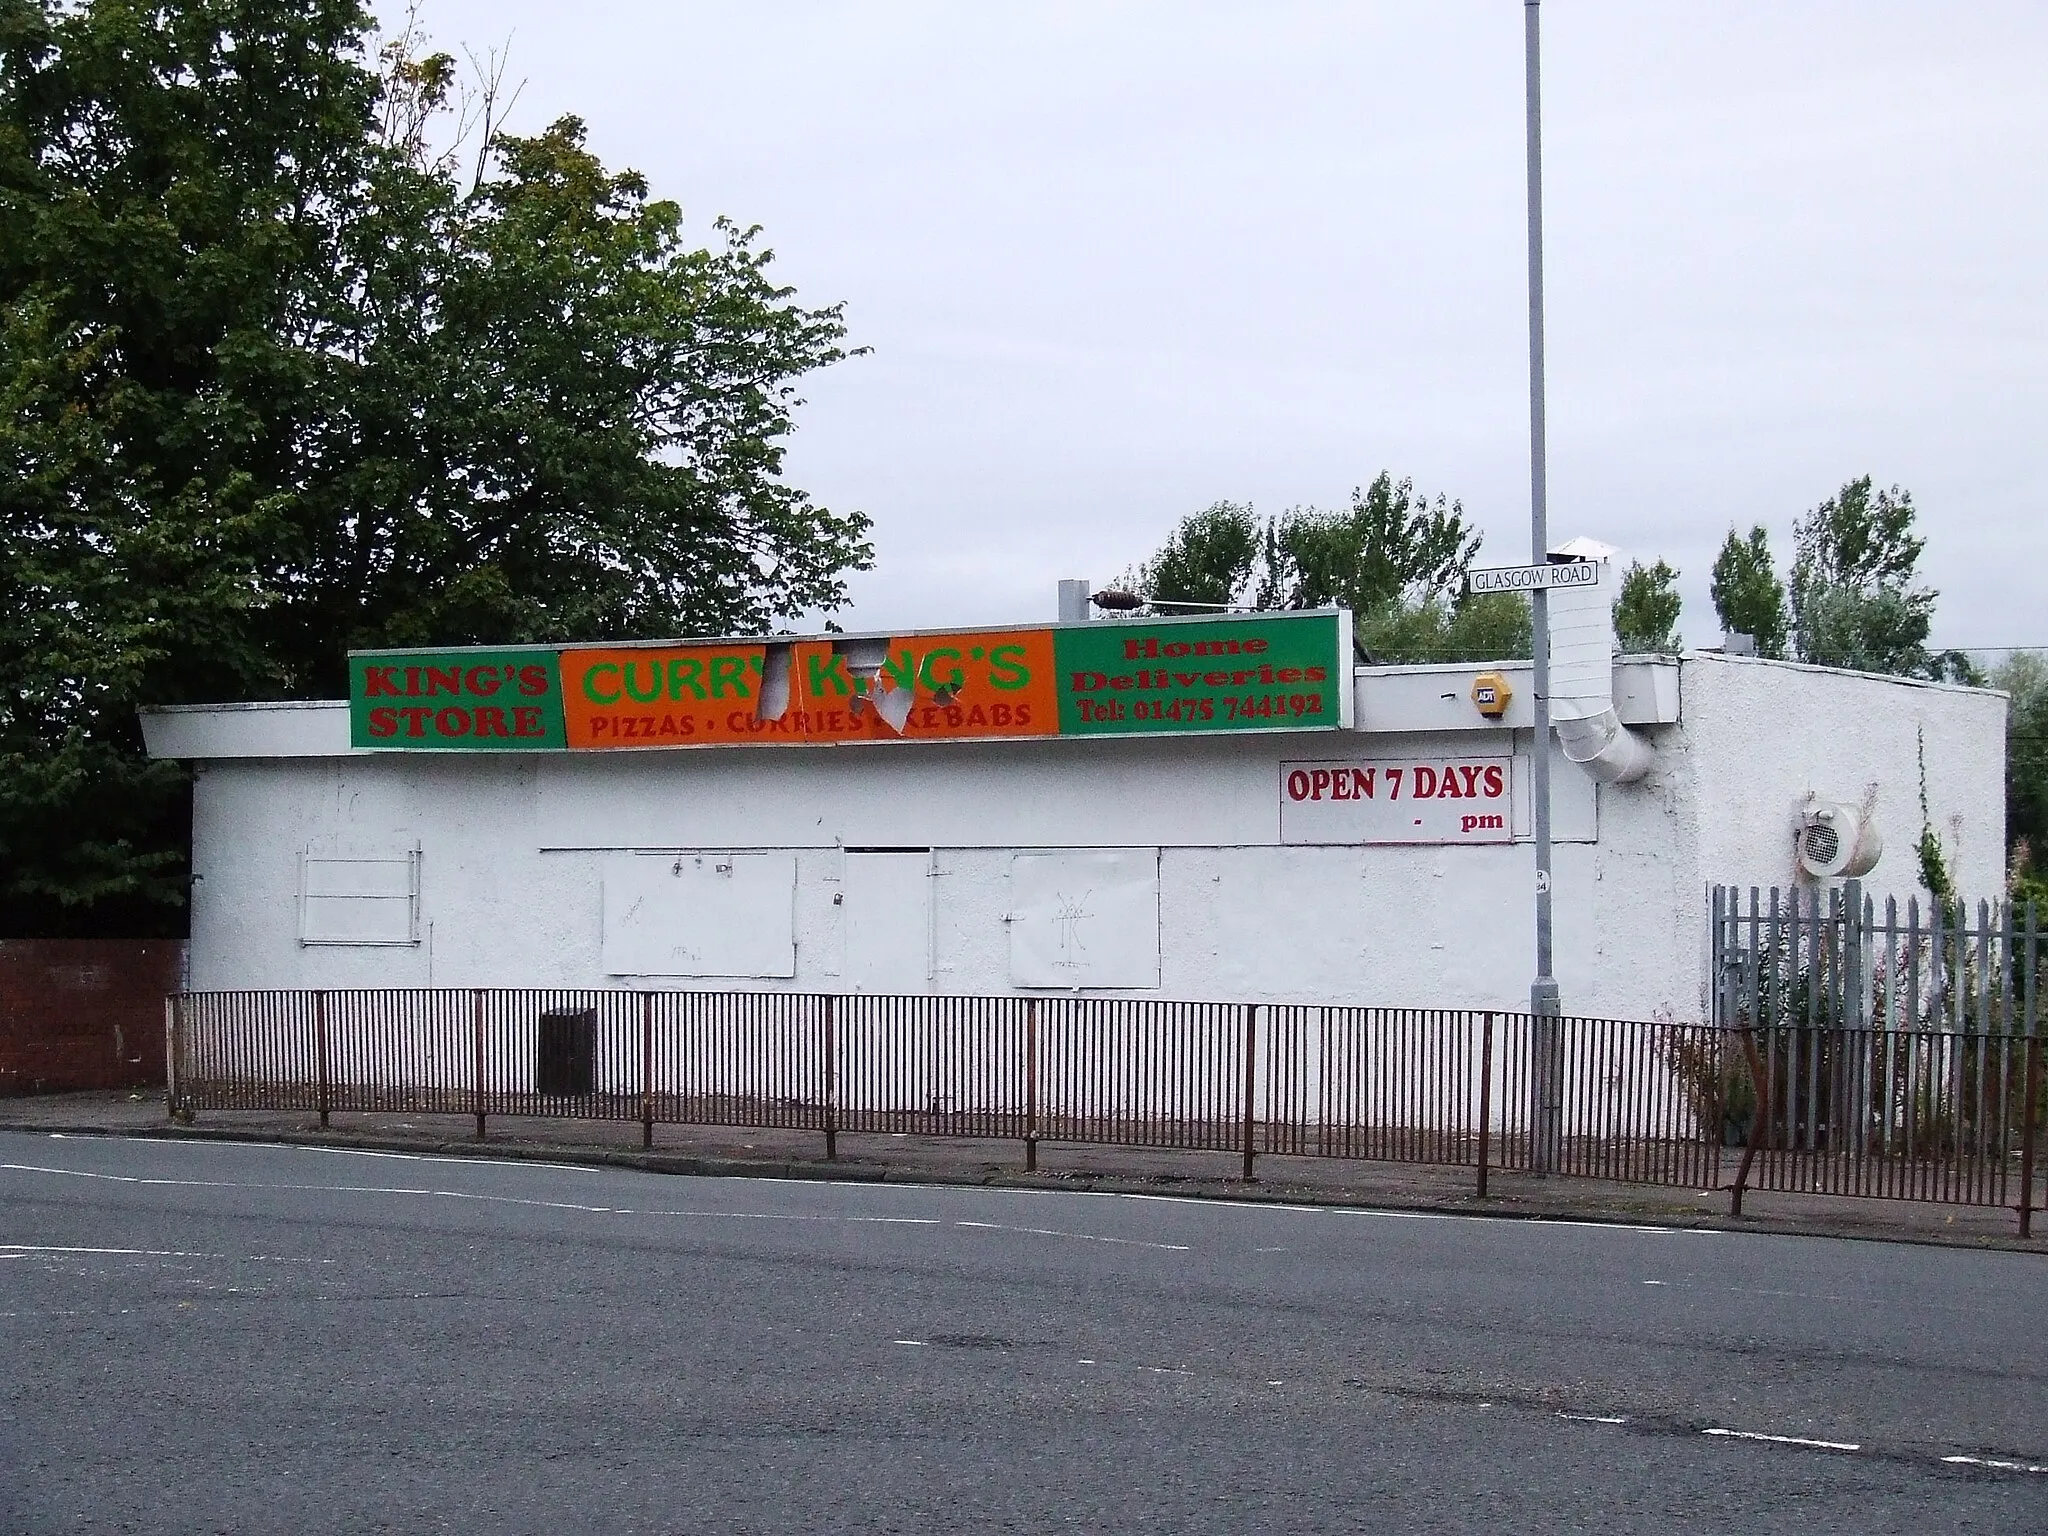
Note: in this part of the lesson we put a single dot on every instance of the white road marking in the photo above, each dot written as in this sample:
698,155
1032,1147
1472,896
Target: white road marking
1086,1237
21,1250
1365,1210
1204,1201
1213,1202
1816,1445
301,1189
1990,1461
480,1157
424,1192
1196,1200
1521,1221
434,1157
1701,1287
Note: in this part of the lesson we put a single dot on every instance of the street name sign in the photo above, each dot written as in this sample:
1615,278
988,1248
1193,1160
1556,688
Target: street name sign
1531,578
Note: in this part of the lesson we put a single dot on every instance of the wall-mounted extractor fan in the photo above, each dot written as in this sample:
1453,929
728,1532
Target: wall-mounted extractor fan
1836,840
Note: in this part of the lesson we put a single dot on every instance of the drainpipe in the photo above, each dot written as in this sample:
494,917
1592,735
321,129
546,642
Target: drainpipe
1582,676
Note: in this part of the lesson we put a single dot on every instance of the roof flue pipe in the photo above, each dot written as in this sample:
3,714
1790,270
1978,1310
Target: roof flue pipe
1582,675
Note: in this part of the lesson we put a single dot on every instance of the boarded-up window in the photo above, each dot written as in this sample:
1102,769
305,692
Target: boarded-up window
700,914
359,900
887,917
1085,919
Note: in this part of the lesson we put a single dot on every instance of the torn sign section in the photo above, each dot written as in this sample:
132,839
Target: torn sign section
991,684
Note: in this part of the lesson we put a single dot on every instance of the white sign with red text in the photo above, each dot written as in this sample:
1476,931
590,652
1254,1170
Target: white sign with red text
1398,800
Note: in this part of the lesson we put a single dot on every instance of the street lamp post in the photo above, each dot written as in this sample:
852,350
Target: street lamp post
1545,1007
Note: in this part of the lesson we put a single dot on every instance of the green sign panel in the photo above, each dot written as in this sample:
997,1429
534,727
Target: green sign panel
509,700
1268,672
1160,677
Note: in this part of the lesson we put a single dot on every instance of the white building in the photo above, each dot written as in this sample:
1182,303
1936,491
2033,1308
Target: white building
1251,867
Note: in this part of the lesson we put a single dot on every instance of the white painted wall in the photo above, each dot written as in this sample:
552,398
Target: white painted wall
1761,735
512,849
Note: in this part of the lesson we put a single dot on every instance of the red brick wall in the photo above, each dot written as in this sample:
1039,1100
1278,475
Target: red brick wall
84,1013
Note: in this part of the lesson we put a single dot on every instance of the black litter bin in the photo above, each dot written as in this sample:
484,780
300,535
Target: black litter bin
566,1066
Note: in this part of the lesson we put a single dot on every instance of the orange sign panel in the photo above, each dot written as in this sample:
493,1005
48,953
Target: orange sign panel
796,692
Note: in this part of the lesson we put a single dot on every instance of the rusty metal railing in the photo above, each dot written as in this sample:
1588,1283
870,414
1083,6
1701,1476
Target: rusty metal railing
1451,1087
1648,1102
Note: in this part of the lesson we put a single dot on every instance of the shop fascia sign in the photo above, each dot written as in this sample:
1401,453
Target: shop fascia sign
1156,677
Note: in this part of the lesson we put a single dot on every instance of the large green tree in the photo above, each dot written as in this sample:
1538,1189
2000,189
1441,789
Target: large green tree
278,383
162,176
554,418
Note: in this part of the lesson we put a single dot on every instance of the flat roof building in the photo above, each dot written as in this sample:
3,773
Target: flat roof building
1224,809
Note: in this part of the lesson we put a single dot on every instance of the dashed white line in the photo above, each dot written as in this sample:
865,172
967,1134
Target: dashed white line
424,1192
21,1250
1592,1418
1994,1462
1814,1445
1201,1201
1086,1237
1536,1222
481,1157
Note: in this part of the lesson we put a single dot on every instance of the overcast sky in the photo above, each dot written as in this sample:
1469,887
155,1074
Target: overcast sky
1118,259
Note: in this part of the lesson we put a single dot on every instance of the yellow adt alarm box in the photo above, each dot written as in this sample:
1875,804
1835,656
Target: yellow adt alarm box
1491,694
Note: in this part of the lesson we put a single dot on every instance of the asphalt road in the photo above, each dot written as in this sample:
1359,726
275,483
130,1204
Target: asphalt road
222,1337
